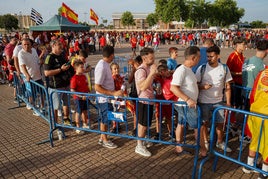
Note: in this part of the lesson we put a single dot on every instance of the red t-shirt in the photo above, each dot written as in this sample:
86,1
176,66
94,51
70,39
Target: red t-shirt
133,42
235,62
79,84
9,50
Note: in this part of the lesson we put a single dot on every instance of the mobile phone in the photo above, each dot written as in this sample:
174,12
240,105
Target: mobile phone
68,63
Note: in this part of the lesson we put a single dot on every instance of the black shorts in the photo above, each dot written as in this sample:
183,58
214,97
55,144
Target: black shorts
145,114
80,105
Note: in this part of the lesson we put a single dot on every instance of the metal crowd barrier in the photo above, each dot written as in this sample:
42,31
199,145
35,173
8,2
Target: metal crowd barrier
235,157
123,119
34,96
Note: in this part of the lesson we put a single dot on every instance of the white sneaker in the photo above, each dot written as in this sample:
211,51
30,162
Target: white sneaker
100,142
28,107
109,144
248,170
59,134
36,114
59,113
85,126
142,150
222,147
79,132
147,144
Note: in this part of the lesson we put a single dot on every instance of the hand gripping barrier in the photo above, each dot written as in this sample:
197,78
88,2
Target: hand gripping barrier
235,157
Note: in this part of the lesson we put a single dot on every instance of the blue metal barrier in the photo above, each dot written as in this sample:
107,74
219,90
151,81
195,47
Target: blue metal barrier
35,96
235,157
124,120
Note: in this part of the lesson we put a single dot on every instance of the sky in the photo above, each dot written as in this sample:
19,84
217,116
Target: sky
254,9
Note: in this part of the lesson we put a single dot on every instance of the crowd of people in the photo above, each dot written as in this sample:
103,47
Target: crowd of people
207,84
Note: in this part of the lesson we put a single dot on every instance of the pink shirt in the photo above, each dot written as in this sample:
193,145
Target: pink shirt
140,75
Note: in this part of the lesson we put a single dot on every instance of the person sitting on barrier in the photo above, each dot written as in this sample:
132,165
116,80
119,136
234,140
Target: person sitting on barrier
104,84
119,84
79,84
184,86
164,76
29,64
258,104
144,77
214,82
131,105
59,73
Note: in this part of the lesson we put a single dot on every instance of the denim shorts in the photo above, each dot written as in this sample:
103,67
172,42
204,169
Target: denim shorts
103,111
207,112
58,98
186,114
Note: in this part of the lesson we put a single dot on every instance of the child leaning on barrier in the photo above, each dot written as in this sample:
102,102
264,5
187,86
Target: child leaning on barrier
164,76
119,84
79,84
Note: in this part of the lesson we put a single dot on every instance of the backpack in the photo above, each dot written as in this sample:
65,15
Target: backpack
133,89
168,95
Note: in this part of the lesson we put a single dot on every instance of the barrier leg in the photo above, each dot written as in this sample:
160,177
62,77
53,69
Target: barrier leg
215,163
201,166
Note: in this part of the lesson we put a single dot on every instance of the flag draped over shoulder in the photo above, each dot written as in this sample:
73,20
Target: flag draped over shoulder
36,17
69,14
94,16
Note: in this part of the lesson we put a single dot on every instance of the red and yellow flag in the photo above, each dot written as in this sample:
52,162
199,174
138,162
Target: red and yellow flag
93,16
69,14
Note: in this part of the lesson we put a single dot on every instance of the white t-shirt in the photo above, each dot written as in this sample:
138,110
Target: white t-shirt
31,60
215,77
185,78
103,77
16,50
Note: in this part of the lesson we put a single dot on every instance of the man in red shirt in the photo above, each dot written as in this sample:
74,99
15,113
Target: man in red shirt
133,43
234,63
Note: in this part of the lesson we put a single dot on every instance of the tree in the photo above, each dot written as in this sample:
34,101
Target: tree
127,19
257,24
152,19
9,22
198,12
170,10
225,13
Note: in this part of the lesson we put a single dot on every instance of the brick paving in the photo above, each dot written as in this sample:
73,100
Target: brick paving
79,156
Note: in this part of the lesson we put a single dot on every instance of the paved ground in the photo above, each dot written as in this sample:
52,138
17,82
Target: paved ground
79,156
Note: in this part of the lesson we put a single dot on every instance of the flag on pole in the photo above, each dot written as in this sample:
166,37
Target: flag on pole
69,14
94,16
36,17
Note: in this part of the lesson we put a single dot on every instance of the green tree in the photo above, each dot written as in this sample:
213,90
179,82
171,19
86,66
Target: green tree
170,10
152,19
198,11
9,22
258,24
225,13
127,19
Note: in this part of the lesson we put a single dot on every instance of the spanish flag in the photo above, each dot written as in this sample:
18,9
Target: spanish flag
69,14
94,16
258,100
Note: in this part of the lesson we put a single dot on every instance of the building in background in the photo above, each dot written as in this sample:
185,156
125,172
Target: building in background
25,21
139,18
